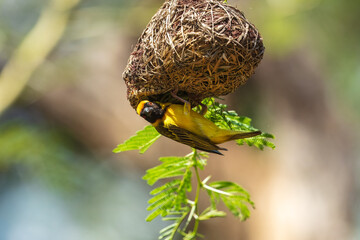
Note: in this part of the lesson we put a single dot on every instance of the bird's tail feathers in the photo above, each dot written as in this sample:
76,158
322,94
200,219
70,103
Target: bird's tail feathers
214,150
217,151
244,135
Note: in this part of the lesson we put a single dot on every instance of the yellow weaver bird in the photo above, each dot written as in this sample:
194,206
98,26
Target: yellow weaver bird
182,124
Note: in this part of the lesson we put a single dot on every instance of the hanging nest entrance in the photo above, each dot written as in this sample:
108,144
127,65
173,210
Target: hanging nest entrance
201,48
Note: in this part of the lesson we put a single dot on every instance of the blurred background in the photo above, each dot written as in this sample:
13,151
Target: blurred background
63,108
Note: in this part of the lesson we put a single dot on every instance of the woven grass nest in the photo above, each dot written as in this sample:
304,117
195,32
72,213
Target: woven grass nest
201,48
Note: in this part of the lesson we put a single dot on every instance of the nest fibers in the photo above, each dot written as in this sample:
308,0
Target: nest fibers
202,48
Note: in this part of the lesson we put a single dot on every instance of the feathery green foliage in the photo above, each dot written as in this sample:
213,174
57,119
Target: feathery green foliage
171,200
141,141
229,119
234,197
172,203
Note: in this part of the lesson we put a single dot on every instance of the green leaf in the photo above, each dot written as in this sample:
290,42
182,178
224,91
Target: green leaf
190,236
170,198
231,188
153,215
165,198
237,206
199,158
163,202
141,141
211,213
172,184
169,232
184,187
170,167
236,200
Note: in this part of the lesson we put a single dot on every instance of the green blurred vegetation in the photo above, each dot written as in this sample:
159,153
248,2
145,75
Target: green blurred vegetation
40,153
327,31
92,193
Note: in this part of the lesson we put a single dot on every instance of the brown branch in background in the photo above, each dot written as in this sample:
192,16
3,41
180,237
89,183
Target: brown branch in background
33,50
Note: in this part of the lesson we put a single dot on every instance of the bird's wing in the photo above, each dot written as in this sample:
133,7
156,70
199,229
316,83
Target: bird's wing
186,137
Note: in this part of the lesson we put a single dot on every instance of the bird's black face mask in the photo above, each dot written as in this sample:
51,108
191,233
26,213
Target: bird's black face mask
152,112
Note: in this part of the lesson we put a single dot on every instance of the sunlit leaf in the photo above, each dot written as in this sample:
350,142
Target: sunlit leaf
153,215
141,141
236,198
211,213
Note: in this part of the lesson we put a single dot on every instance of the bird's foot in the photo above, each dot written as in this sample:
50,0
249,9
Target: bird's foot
203,109
173,94
187,104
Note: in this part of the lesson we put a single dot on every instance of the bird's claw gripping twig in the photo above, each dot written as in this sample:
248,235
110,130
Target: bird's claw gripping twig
186,103
173,93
